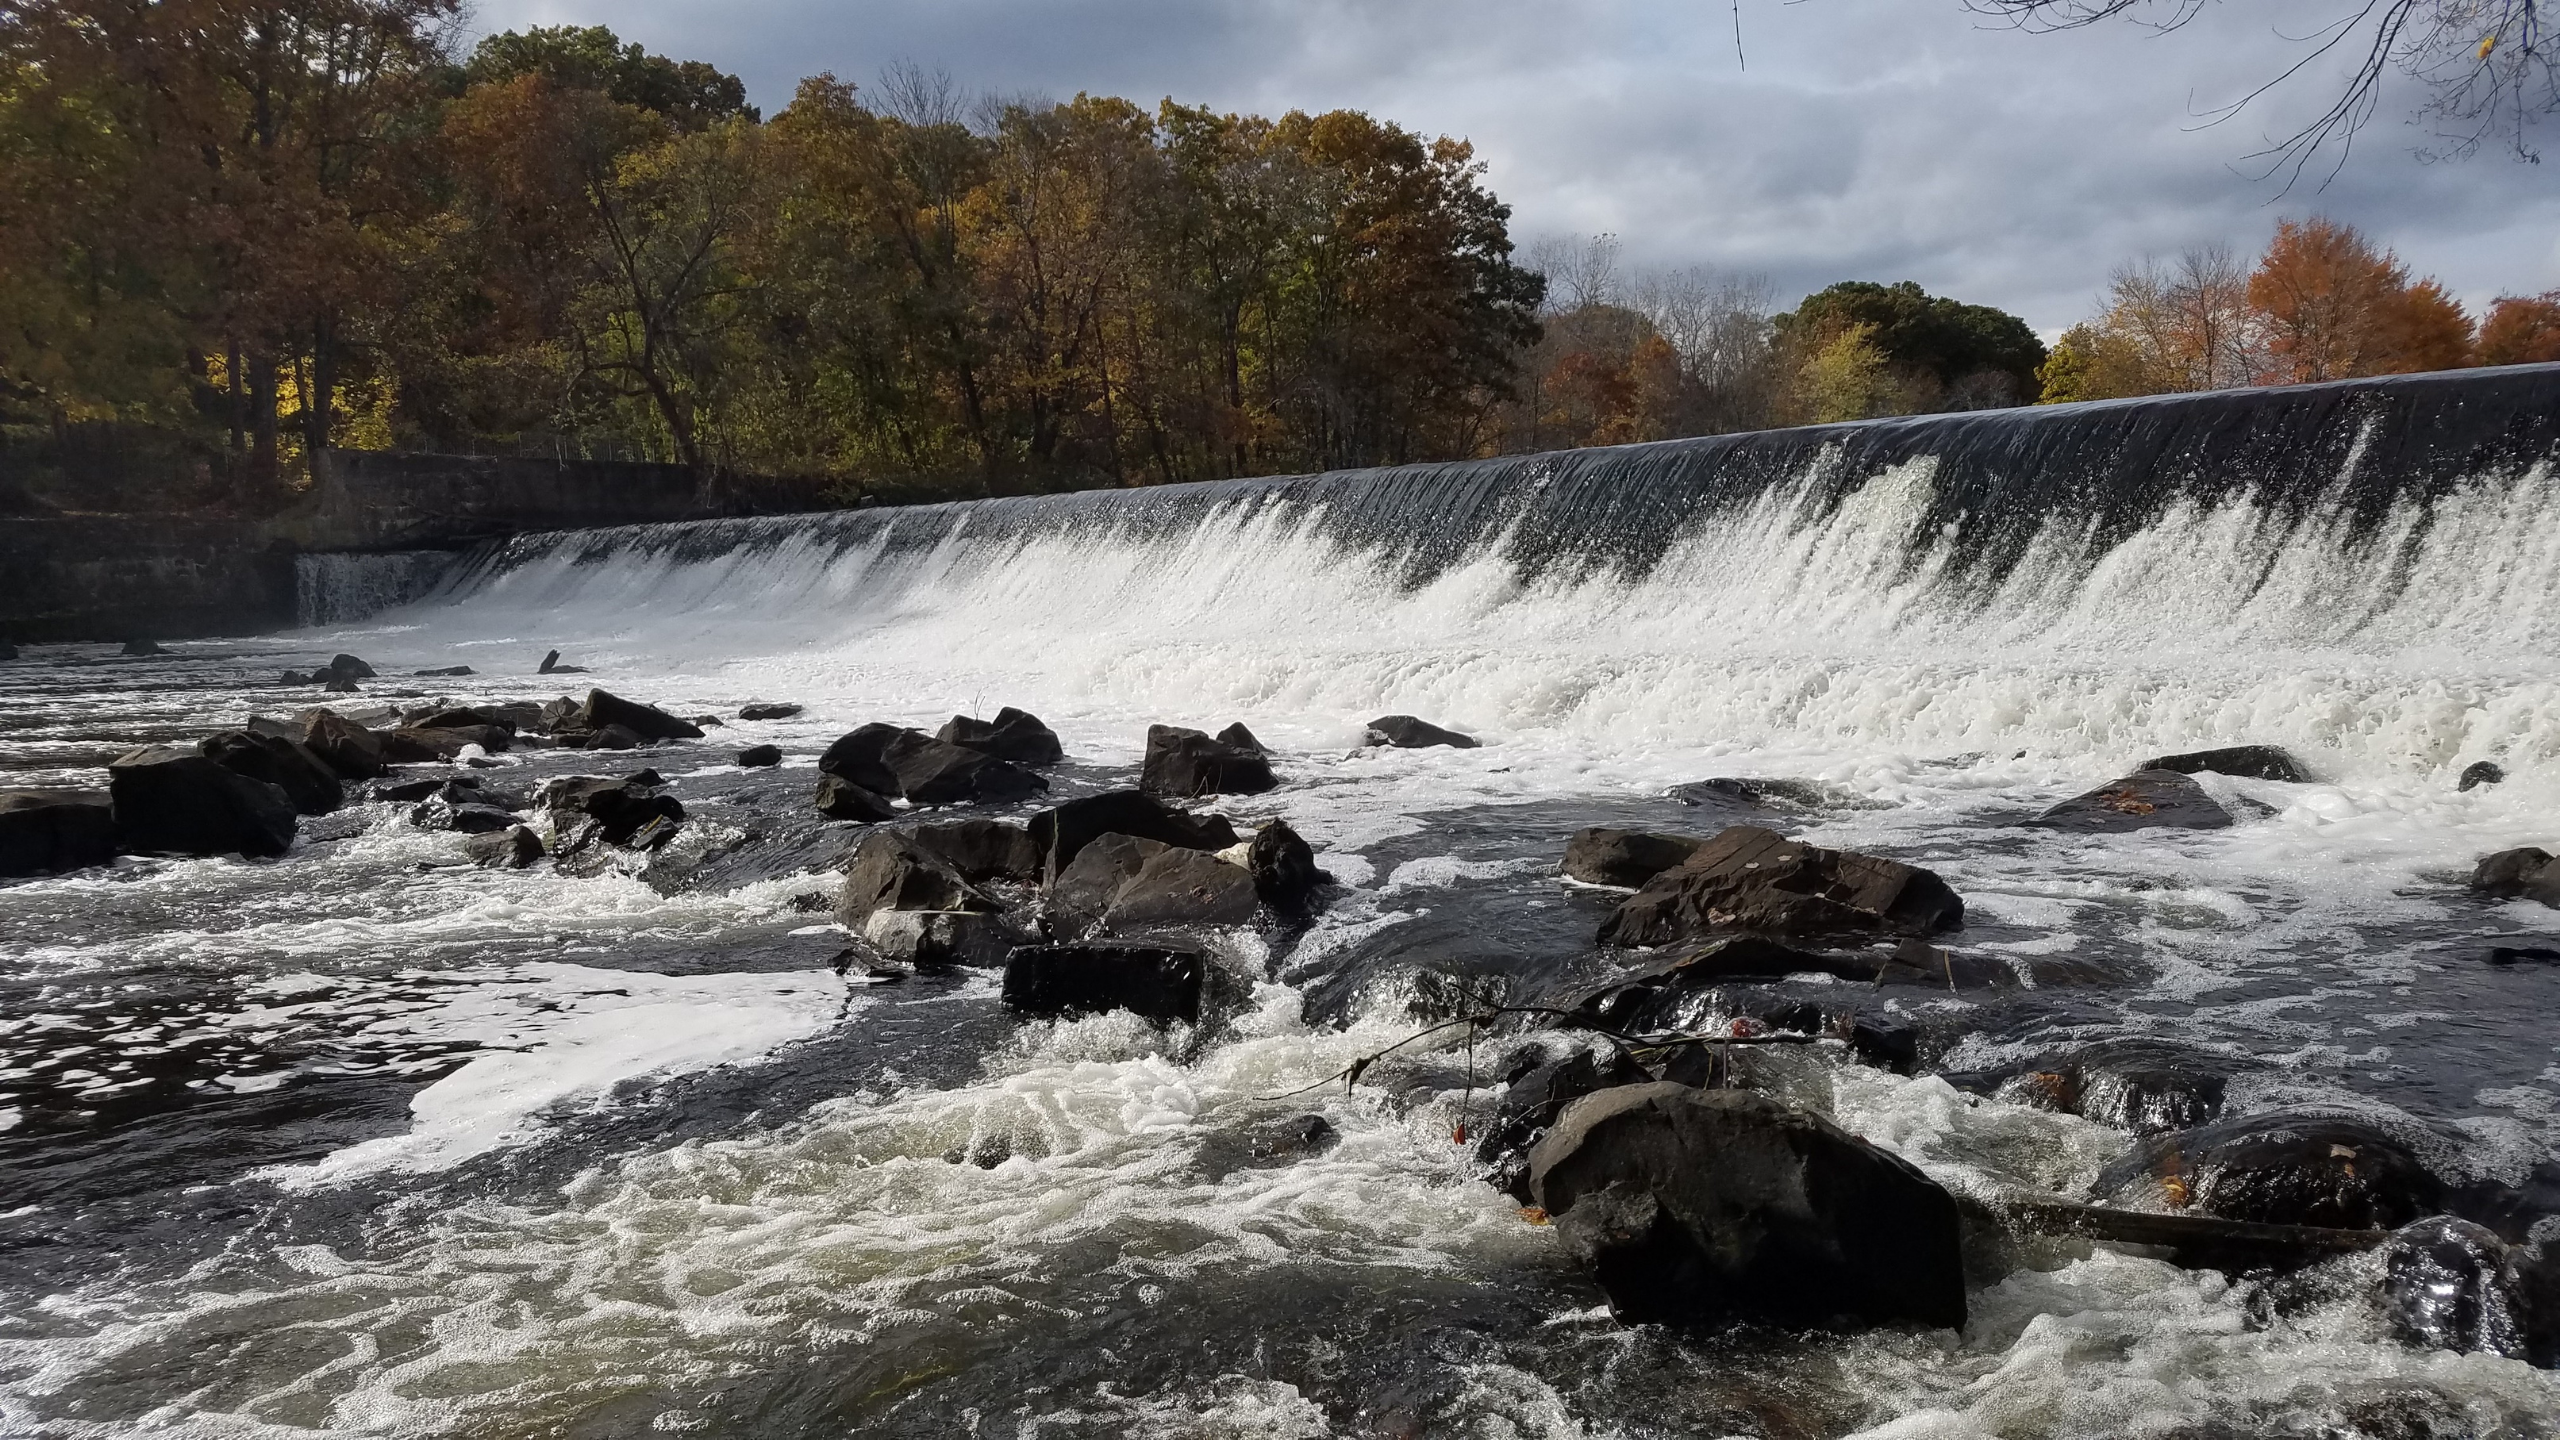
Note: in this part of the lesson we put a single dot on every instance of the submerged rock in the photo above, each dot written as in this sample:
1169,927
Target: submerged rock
1123,884
759,757
1186,763
936,772
1627,858
45,832
890,871
141,647
2248,762
2141,801
1155,981
1016,736
604,708
173,801
447,672
1697,1206
840,799
1062,832
2279,1169
1751,879
768,712
2452,1285
2146,1086
289,765
1404,732
462,811
2479,773
1760,794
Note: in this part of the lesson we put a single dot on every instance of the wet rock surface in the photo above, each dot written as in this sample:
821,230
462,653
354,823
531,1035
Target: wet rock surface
1155,981
1751,879
2248,762
2147,799
1125,885
1062,832
48,831
1013,735
2280,1169
1404,732
171,800
1187,763
310,782
1625,858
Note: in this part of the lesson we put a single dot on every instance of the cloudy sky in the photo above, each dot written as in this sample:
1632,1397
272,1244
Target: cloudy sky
1862,139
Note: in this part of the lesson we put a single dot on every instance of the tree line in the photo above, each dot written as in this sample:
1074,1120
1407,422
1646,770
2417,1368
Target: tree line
234,233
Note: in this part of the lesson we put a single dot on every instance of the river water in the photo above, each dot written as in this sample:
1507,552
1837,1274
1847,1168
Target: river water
365,1141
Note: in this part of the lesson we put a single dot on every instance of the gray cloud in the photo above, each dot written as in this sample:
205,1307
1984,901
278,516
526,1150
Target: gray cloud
1873,139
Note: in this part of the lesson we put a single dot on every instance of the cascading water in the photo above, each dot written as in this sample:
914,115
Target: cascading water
367,1141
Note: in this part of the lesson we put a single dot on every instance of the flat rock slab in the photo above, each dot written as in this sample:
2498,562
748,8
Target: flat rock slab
2144,800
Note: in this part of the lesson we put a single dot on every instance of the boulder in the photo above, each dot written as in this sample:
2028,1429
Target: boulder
759,757
1123,884
1628,858
555,716
447,672
1242,739
1186,763
2146,1086
605,708
1531,1103
936,772
2248,762
512,849
170,800
2279,1169
45,832
2141,801
1284,870
2479,773
861,757
2449,1284
1154,981
289,765
551,666
346,747
1014,735
141,647
1406,733
890,871
1063,831
1695,1206
2526,872
938,939
623,812
1748,878
295,677
768,712
981,849
840,799
614,737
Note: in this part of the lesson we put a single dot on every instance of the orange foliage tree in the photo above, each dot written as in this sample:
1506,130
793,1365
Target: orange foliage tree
2521,330
2335,307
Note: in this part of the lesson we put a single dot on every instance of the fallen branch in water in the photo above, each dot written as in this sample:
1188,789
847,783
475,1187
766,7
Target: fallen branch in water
2193,1240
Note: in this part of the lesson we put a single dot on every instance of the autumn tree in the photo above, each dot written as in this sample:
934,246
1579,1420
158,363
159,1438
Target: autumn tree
2521,330
2335,307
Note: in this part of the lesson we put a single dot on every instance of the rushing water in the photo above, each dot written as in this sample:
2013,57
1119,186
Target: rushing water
367,1142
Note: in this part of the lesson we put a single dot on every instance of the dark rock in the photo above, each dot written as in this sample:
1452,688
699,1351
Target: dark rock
556,715
2279,1169
345,668
1694,1206
1186,763
1886,1044
345,746
890,871
1406,733
936,772
841,799
862,758
460,718
768,712
1284,870
513,848
169,800
940,939
1063,831
1149,980
2452,1285
2512,954
446,672
2139,801
2147,1086
759,757
551,666
1123,884
1762,794
1014,735
1748,878
337,684
1601,856
465,816
289,765
2479,773
2525,872
295,677
614,737
1300,1137
982,849
406,792
2249,762
412,746
1242,739
44,832
618,812
605,708
1532,1101
142,647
